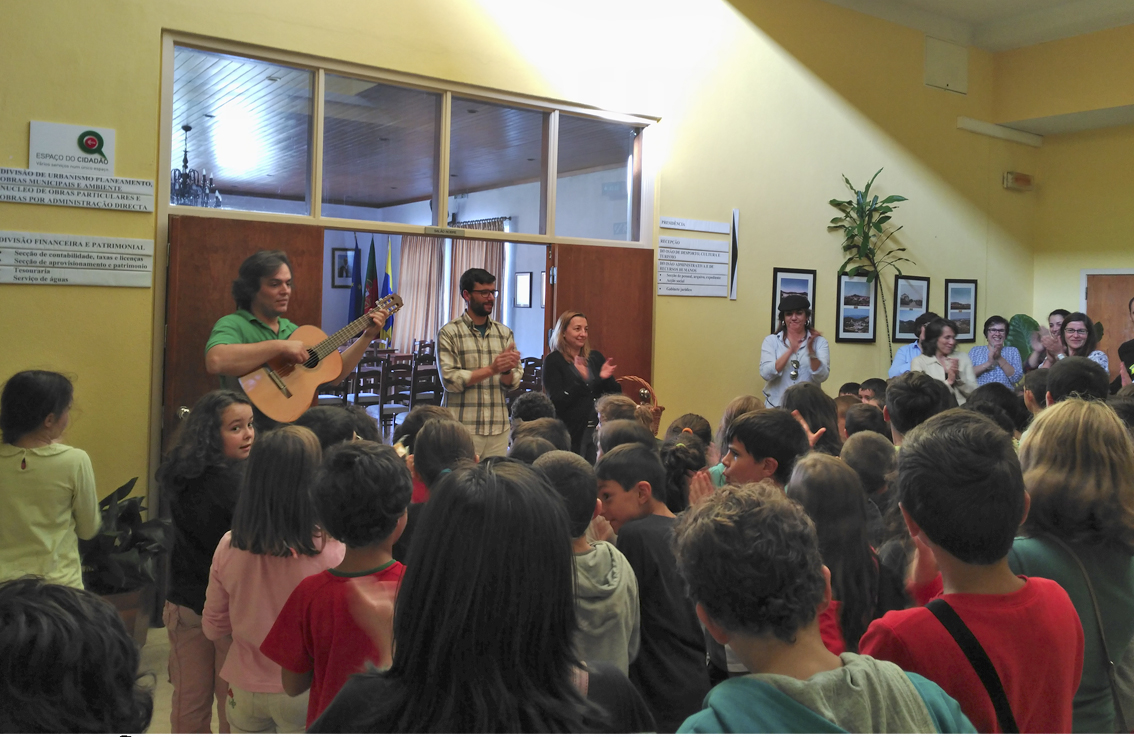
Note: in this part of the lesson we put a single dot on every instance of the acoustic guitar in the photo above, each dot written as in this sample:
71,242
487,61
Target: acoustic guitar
283,390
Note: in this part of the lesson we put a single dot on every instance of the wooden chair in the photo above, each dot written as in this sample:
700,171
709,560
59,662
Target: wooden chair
368,386
531,381
426,385
425,352
336,394
395,391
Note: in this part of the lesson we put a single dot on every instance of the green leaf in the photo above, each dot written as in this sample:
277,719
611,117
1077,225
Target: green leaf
894,198
836,221
1020,330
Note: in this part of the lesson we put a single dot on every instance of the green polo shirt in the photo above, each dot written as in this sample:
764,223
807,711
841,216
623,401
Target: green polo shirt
241,328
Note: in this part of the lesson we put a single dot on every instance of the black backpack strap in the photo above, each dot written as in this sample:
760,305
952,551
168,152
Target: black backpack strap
978,659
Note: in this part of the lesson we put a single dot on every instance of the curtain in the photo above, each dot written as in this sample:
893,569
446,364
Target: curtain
419,282
468,254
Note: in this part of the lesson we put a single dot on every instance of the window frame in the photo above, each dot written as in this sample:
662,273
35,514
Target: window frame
645,174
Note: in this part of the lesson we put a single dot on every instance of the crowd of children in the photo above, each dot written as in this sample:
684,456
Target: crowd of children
882,561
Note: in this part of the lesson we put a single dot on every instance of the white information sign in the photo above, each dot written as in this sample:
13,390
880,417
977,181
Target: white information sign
693,267
50,258
63,147
705,226
691,290
76,190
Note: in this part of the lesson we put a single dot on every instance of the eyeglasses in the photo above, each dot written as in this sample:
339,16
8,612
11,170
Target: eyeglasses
998,331
1075,331
794,369
485,292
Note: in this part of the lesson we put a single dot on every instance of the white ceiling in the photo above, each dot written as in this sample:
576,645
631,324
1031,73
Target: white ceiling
999,25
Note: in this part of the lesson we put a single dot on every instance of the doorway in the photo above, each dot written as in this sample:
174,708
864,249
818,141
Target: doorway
1107,297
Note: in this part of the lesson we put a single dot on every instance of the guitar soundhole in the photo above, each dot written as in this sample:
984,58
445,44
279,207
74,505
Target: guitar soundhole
312,360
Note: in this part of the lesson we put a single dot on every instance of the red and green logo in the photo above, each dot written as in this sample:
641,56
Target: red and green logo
90,142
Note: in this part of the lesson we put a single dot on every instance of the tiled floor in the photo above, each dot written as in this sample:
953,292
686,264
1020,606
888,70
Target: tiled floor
155,657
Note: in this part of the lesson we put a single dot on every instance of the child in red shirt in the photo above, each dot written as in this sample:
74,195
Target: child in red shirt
962,495
361,495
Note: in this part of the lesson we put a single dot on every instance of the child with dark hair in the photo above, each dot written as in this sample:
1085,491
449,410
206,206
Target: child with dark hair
274,544
606,589
738,406
816,410
850,389
1035,390
200,481
405,434
911,399
682,456
670,670
1124,408
531,406
862,590
1076,376
1007,400
764,444
621,432
550,429
843,402
750,560
962,496
67,663
994,412
866,417
484,622
528,449
873,391
698,427
338,424
361,494
48,500
873,457
438,447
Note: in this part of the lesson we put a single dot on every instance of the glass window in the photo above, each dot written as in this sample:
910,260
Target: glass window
596,189
241,133
496,163
379,151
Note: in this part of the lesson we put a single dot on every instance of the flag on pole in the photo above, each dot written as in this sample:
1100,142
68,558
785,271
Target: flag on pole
355,310
370,286
387,283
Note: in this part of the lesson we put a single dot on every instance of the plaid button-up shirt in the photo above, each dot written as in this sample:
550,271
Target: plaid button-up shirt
461,350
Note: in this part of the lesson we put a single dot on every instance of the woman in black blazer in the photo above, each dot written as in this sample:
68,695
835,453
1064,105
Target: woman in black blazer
574,376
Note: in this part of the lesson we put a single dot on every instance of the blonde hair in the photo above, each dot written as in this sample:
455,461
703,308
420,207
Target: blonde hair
1078,464
558,338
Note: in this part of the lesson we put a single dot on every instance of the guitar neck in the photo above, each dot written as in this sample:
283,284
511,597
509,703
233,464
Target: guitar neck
332,343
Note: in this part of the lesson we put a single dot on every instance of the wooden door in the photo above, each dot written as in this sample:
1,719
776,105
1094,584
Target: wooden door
204,257
1108,300
614,287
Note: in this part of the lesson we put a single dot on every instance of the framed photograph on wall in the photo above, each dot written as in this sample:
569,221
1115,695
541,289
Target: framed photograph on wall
911,301
342,267
856,310
523,289
960,307
792,281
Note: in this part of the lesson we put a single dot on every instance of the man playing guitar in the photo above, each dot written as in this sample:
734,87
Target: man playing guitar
257,332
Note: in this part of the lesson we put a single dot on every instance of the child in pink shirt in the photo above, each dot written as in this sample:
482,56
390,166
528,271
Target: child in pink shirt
361,494
274,544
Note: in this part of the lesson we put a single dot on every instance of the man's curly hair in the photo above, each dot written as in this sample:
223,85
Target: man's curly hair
750,556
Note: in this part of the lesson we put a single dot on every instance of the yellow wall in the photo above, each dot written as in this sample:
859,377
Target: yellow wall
1086,213
764,105
1089,72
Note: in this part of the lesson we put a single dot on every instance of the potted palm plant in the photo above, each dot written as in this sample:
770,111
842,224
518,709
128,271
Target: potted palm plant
865,222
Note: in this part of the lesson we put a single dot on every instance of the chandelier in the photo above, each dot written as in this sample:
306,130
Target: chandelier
190,187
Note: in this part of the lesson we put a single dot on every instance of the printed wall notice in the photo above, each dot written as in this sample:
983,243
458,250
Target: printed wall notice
32,187
62,147
51,258
692,267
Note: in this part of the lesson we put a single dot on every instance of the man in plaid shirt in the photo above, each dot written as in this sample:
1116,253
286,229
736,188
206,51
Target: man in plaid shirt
479,362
